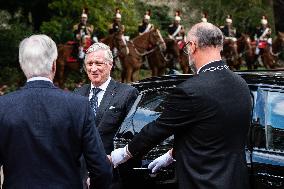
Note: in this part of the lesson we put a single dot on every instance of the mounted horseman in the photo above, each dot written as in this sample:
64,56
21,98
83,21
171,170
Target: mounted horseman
144,27
82,34
230,51
262,37
118,29
228,30
176,32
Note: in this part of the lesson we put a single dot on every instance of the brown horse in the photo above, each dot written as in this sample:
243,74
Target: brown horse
246,51
136,48
269,54
65,62
176,55
159,60
230,54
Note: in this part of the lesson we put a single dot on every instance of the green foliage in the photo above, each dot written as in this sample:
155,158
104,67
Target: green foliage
52,28
159,16
100,14
10,37
246,14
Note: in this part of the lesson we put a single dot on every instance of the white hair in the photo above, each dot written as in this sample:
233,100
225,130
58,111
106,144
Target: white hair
101,46
36,55
206,35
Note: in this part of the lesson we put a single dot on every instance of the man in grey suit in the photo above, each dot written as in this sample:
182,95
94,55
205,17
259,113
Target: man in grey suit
44,130
110,100
209,125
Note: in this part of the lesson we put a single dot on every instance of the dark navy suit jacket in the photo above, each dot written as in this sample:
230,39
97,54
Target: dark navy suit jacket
209,115
43,133
116,103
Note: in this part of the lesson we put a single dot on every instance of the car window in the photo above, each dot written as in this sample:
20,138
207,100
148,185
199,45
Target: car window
268,118
258,118
147,108
275,120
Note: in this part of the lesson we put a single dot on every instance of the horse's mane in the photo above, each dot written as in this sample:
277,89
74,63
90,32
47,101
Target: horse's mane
143,36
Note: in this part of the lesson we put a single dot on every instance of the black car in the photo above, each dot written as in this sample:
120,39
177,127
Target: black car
265,144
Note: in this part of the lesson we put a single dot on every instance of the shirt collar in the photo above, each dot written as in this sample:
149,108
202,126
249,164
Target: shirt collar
102,86
38,78
206,64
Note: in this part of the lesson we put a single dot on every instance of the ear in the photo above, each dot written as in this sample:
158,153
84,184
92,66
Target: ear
54,67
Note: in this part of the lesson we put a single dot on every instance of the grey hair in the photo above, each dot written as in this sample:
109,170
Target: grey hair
36,55
101,46
206,35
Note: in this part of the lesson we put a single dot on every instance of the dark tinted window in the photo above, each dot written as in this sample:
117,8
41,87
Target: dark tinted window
147,108
275,120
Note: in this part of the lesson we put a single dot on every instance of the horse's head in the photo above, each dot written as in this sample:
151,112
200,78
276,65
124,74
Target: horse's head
156,39
109,40
172,47
281,38
244,43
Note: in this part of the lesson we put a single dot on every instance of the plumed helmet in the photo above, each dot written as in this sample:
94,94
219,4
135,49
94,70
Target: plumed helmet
204,17
147,15
84,13
117,13
177,16
264,20
229,19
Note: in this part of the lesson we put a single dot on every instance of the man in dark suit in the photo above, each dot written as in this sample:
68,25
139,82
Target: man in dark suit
209,115
44,130
114,99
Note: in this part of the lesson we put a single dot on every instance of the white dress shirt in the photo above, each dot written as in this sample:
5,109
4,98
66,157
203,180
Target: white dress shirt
38,78
103,88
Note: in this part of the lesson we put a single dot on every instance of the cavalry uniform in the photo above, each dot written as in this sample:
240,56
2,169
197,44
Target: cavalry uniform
176,31
262,36
116,27
82,34
80,30
143,28
228,30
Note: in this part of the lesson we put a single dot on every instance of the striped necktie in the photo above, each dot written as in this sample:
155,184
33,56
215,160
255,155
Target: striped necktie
94,100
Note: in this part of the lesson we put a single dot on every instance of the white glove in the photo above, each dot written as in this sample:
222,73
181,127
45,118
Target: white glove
119,156
162,161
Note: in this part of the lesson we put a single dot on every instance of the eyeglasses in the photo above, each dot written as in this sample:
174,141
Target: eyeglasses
185,48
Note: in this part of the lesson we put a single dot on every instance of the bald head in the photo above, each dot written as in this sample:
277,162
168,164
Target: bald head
206,35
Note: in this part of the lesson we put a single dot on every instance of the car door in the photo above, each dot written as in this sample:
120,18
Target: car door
266,160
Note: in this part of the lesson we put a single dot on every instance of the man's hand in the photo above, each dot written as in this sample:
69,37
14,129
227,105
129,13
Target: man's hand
162,161
119,156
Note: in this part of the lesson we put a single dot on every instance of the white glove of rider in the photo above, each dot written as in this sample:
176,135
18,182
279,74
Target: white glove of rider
120,155
162,161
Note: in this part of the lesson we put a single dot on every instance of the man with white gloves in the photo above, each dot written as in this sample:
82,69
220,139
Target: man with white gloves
210,129
162,161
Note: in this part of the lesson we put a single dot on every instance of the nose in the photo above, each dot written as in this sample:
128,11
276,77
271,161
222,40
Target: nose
94,68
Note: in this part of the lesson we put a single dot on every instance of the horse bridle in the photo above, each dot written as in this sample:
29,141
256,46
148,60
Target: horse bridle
157,45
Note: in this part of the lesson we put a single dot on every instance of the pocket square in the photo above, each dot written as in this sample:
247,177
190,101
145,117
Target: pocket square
111,107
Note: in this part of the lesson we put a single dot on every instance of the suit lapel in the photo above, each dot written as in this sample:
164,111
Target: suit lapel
107,98
85,90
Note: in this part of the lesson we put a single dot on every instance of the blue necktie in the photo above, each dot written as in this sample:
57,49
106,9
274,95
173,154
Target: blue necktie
94,100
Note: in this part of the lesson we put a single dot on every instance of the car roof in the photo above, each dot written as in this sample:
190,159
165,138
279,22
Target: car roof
259,77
